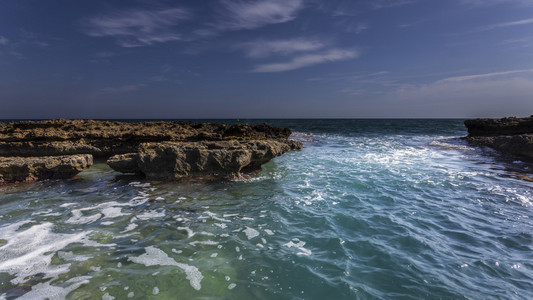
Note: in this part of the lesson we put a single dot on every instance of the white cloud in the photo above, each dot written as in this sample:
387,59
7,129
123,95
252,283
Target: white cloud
263,48
3,40
134,28
307,60
486,75
239,14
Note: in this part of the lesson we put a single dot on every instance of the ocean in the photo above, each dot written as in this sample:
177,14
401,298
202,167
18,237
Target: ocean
368,209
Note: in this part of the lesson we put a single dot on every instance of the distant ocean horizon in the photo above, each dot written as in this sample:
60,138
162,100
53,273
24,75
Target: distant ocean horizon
368,209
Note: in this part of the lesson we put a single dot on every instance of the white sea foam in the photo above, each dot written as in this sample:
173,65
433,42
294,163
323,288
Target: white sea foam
137,201
208,242
112,212
130,227
269,232
152,214
231,286
47,291
29,252
139,184
299,245
221,225
157,257
250,233
69,256
190,233
79,218
46,213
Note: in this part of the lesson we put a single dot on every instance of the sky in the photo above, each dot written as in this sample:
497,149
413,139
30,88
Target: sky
194,59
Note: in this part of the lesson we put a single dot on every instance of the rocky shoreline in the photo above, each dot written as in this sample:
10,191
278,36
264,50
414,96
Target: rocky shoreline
509,135
35,150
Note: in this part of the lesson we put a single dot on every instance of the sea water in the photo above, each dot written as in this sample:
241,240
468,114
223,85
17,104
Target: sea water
368,209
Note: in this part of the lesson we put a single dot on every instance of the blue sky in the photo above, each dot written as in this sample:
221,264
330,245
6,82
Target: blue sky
266,59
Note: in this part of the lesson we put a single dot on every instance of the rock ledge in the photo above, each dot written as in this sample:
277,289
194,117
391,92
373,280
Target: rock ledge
158,150
511,135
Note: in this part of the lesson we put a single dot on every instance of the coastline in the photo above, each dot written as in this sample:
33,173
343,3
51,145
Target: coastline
157,150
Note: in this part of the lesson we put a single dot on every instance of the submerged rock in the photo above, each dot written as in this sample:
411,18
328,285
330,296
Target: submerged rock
159,150
25,169
510,135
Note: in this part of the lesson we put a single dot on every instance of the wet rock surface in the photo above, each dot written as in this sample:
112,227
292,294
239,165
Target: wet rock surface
510,135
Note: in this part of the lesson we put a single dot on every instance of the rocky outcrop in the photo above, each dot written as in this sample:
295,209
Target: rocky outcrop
218,159
107,138
510,135
25,169
159,150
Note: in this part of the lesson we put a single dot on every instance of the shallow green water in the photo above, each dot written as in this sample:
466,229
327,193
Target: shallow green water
368,209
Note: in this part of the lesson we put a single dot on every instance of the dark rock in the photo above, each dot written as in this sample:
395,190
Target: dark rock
125,163
510,135
24,169
496,127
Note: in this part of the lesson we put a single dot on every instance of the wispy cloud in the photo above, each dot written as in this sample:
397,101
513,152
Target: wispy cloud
3,41
264,48
505,24
495,2
379,4
239,14
134,28
307,60
485,75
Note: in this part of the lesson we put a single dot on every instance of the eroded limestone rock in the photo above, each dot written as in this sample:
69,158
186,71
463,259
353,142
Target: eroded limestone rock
24,169
217,159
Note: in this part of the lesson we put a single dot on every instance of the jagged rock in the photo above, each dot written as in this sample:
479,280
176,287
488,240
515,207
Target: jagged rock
24,169
510,135
107,138
217,159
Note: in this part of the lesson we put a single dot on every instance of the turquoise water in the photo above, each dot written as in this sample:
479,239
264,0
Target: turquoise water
369,209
